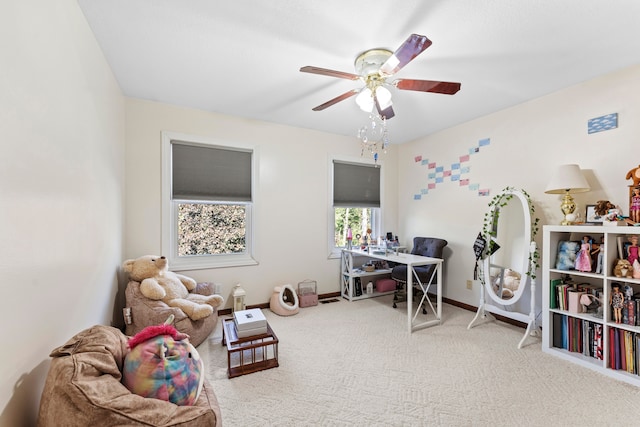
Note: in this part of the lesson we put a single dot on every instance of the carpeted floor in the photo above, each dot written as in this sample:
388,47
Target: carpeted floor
354,364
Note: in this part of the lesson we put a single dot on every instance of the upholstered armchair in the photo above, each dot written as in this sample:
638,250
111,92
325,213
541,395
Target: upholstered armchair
424,246
84,388
146,312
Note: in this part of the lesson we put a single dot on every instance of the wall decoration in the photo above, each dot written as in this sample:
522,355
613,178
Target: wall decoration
457,172
602,123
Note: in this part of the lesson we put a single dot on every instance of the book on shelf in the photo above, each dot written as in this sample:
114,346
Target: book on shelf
578,335
557,330
574,305
629,312
553,297
629,352
357,284
622,350
597,342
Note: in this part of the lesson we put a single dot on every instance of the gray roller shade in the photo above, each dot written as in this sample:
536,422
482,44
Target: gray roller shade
210,173
356,185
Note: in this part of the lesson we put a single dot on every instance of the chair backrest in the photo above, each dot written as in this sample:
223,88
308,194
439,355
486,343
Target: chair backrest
428,246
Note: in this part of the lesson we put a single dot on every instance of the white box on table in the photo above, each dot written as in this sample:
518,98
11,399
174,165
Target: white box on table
250,322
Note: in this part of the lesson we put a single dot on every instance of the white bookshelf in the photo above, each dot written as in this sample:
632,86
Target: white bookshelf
552,235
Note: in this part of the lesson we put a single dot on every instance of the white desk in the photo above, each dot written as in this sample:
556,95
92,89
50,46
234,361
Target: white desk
412,261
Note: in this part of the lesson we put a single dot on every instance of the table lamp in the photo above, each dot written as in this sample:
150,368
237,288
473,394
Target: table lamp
568,179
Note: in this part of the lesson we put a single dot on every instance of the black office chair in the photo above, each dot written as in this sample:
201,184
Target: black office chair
425,246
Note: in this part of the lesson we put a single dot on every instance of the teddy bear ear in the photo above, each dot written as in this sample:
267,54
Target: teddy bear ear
128,265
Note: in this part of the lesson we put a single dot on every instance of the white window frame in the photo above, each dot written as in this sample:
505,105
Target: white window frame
376,213
169,220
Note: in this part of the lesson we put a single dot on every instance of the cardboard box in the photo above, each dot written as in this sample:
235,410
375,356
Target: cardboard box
250,322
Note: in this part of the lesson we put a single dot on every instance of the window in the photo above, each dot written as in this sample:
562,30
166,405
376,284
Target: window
356,202
207,203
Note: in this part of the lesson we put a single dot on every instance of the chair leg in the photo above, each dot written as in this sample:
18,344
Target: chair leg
396,294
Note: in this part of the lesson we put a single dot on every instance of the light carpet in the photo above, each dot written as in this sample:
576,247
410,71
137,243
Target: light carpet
355,364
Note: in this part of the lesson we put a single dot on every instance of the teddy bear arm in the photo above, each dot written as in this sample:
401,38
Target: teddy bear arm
213,300
194,310
188,282
151,289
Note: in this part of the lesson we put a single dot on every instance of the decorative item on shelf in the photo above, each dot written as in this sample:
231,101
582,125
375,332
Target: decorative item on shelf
568,179
634,195
369,288
610,214
583,257
634,176
239,295
617,302
349,238
591,304
591,217
634,205
623,268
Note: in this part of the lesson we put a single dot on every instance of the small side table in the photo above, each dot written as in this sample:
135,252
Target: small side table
249,354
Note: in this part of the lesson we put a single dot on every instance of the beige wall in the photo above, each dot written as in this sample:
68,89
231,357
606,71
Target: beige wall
61,192
66,213
527,143
291,198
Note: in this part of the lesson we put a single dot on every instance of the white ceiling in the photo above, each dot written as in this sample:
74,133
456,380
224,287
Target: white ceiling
243,57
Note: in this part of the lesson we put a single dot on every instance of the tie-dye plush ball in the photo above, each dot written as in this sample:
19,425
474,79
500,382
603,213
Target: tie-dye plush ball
163,364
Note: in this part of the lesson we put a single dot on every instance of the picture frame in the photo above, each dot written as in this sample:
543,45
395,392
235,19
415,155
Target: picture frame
591,217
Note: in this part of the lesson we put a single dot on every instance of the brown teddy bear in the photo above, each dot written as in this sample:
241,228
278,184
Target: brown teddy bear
158,283
623,268
634,174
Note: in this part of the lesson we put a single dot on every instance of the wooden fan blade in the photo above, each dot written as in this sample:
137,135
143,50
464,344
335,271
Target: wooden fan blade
447,88
336,100
387,113
412,47
327,72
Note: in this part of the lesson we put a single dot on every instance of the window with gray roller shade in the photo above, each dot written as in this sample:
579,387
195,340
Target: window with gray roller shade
210,173
356,185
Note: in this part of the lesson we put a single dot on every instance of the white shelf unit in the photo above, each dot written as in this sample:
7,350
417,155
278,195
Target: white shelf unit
551,237
350,273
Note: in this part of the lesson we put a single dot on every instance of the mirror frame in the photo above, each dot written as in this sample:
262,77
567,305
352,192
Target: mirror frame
529,255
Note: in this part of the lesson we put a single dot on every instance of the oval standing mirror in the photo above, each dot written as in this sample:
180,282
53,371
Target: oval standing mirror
505,271
509,258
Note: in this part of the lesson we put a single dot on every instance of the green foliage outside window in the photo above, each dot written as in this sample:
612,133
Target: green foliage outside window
359,219
211,229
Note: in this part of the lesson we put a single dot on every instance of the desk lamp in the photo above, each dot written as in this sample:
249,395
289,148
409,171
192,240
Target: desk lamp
567,179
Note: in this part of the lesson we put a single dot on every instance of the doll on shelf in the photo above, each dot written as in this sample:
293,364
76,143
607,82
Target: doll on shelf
634,206
583,259
617,301
597,253
632,250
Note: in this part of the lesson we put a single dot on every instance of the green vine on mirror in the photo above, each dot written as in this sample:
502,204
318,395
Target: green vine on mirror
489,227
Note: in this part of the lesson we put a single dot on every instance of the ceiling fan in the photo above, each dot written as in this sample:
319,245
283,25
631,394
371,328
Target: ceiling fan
374,67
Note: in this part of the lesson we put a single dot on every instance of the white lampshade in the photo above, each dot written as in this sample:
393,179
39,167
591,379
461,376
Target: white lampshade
365,100
567,178
384,97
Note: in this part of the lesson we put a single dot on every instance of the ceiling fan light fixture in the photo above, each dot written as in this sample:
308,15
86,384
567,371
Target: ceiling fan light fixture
384,97
365,100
